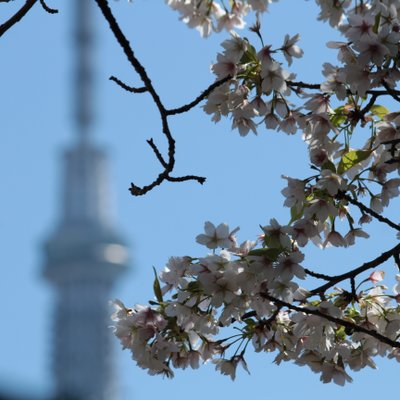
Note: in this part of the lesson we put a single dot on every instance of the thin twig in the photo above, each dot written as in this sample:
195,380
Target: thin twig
394,93
369,211
47,8
377,93
339,321
199,98
318,275
369,104
200,179
157,152
126,47
354,272
17,16
126,87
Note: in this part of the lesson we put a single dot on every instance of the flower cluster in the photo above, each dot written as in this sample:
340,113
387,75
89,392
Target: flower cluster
261,92
254,76
257,291
211,15
254,294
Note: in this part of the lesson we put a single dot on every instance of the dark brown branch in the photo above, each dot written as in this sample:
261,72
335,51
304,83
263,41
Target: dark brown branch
47,8
394,93
17,16
353,273
318,275
157,152
200,179
347,324
249,314
369,104
383,92
396,258
317,86
303,85
200,98
126,87
353,287
369,211
126,47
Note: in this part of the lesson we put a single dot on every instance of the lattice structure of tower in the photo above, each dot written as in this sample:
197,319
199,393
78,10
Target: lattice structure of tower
85,254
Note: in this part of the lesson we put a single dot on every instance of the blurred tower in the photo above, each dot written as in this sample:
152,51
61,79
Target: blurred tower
84,256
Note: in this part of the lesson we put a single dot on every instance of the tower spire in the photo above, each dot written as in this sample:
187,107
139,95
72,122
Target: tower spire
85,194
85,255
83,69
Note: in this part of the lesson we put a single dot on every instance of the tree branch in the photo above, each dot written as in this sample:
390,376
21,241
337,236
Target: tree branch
369,211
47,8
157,152
339,321
126,47
353,273
199,179
126,87
198,99
17,16
318,275
316,86
394,93
369,104
304,85
396,258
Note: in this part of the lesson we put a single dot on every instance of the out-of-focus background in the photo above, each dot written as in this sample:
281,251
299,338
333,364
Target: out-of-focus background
38,124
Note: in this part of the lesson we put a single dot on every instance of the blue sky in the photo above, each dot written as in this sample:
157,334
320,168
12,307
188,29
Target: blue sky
243,183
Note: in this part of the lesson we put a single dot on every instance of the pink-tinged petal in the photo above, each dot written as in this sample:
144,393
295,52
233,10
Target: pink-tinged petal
376,276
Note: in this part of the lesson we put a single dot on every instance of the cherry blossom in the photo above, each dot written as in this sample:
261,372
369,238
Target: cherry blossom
262,287
216,236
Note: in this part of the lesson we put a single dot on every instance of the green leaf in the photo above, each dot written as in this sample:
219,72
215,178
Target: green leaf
295,214
249,56
271,254
250,322
193,287
329,165
157,287
340,333
338,117
379,111
353,314
376,23
252,50
352,158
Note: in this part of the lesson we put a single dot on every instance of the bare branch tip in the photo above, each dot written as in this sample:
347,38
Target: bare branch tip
127,87
47,8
